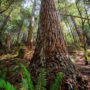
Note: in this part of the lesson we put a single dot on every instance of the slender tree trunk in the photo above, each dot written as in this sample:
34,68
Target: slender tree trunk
84,40
5,21
19,32
85,45
7,7
31,26
87,16
51,52
77,30
72,32
74,38
3,26
8,41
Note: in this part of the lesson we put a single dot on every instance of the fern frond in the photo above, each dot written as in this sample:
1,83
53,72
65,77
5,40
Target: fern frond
41,81
6,85
24,84
58,80
28,79
2,83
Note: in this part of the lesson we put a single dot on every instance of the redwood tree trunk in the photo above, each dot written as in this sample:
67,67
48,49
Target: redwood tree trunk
51,52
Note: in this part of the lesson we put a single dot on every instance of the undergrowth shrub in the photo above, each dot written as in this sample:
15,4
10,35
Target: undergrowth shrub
41,81
27,83
6,85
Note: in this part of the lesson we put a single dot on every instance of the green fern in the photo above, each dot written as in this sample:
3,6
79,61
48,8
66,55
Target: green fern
41,81
27,80
86,55
27,83
24,84
6,85
58,80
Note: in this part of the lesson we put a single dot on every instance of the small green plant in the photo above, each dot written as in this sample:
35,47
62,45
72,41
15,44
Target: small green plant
41,81
6,85
86,55
27,83
57,83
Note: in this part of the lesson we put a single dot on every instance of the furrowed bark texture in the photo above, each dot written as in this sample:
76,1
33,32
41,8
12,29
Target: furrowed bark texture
51,52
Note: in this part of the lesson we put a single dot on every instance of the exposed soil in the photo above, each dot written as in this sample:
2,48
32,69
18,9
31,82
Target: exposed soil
80,63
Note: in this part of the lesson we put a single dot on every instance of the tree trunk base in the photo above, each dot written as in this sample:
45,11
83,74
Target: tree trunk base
72,79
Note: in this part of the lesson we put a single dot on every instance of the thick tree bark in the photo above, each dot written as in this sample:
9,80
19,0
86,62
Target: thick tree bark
51,52
30,27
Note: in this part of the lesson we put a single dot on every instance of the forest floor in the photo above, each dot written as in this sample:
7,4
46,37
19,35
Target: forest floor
10,65
79,62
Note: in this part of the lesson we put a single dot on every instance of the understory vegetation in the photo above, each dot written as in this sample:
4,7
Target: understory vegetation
27,83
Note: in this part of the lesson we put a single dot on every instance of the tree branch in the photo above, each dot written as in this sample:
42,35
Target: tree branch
7,7
75,16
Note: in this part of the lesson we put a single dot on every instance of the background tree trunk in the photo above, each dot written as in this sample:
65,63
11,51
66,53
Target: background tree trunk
8,41
51,52
84,37
5,21
19,32
30,28
77,30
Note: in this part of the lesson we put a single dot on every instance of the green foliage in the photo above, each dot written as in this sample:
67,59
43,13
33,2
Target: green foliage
27,83
24,84
86,55
58,80
6,85
27,80
41,81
